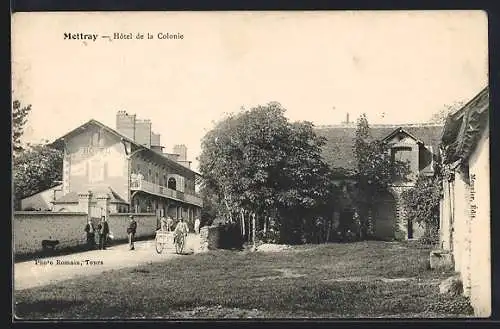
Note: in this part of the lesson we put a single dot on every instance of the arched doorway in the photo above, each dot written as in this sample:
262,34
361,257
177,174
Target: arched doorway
172,183
384,216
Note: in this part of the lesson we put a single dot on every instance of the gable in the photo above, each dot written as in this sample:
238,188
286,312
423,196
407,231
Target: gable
401,136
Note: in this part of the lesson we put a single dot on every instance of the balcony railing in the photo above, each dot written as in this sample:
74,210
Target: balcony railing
142,185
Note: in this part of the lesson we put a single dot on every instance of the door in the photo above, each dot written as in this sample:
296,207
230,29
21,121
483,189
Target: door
385,216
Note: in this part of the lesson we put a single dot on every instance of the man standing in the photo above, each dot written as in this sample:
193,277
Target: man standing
197,225
163,223
131,229
170,222
90,231
103,231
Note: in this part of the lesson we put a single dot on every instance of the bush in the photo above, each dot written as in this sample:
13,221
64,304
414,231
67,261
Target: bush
271,236
430,237
422,205
230,236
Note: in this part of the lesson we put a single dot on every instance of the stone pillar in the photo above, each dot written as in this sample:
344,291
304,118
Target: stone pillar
445,217
84,202
103,203
415,161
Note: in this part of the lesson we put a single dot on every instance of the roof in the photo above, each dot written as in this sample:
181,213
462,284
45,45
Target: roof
58,142
464,128
72,197
338,149
39,192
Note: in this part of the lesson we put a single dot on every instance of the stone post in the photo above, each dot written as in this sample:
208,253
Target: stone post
84,202
103,203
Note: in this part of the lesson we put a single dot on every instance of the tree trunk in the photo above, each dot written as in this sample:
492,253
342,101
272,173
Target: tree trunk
242,220
253,230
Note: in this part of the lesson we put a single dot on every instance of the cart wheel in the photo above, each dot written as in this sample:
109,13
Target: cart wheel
159,245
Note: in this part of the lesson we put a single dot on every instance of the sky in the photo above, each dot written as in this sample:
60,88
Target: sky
397,67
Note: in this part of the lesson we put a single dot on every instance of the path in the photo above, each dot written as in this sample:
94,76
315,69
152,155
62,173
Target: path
29,274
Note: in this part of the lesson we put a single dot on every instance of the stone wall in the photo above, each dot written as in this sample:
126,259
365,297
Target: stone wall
30,228
147,224
209,238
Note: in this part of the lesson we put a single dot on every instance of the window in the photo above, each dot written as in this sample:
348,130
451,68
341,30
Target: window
401,155
172,183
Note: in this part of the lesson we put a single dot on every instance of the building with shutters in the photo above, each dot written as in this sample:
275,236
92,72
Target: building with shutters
416,143
129,167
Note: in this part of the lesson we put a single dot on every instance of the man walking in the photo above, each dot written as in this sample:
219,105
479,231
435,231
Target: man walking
131,229
103,231
90,231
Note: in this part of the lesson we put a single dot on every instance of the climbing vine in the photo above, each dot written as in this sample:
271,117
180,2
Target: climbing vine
421,204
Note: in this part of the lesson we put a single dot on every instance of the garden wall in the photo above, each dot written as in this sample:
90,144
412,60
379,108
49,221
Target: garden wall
147,224
31,227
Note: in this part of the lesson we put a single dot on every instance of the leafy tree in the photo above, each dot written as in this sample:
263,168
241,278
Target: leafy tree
35,170
375,171
441,115
19,118
258,161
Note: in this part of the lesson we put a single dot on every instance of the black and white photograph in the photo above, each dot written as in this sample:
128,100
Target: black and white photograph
250,165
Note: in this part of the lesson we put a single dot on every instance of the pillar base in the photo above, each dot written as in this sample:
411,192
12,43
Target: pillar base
441,260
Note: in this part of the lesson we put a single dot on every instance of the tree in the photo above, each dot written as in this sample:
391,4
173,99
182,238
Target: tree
441,115
19,118
375,171
36,170
258,161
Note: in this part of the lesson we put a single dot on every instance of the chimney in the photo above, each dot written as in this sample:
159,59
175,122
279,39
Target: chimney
181,149
125,124
347,118
143,132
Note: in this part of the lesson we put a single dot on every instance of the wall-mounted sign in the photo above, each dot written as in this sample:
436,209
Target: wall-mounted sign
90,151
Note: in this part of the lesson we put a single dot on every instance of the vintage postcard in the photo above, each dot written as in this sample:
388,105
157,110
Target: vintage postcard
250,165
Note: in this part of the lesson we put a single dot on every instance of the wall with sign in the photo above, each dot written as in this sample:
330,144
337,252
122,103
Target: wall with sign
479,218
96,160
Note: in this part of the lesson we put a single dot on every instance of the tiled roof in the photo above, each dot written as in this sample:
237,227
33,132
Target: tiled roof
58,142
72,197
338,150
464,127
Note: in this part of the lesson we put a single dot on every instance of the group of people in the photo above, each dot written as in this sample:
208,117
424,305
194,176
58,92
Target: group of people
102,233
166,224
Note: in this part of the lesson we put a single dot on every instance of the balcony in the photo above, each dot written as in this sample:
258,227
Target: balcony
145,186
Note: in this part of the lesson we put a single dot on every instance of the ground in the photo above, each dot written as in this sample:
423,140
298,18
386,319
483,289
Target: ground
30,274
363,279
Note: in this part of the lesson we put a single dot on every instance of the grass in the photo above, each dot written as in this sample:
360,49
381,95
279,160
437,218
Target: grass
363,279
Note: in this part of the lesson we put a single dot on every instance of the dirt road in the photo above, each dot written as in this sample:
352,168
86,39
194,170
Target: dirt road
39,272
